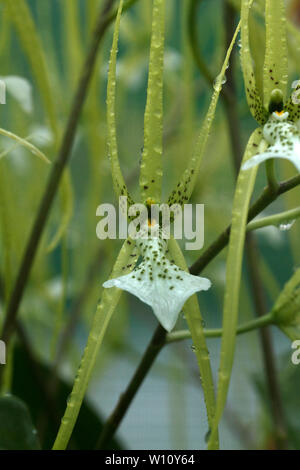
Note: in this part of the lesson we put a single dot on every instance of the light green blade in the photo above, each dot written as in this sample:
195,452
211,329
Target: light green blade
253,97
151,165
243,192
182,192
105,309
120,187
276,62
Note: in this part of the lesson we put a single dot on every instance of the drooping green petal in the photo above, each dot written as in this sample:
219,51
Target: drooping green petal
159,282
195,323
182,192
118,180
151,165
283,139
242,197
253,98
276,62
105,309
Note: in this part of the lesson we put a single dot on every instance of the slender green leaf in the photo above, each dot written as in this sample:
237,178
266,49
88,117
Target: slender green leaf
243,192
151,166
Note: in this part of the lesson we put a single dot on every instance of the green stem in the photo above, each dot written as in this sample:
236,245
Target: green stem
263,201
275,219
271,177
217,332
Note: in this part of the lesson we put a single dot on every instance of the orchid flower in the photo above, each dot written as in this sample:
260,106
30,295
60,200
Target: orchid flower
162,282
278,116
156,281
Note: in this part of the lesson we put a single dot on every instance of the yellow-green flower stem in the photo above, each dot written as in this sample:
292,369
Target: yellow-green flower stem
275,219
105,309
260,322
194,321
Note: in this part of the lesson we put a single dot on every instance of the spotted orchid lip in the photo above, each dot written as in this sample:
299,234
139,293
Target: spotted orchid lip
283,138
158,282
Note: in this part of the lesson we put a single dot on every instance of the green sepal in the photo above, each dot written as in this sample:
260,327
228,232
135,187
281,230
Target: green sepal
120,187
254,99
276,62
151,165
182,192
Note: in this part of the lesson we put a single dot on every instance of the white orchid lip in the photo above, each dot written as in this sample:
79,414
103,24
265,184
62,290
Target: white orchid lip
159,283
283,138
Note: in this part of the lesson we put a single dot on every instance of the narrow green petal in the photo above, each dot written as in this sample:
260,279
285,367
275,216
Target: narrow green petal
243,192
151,166
105,309
182,192
195,324
253,98
118,180
276,62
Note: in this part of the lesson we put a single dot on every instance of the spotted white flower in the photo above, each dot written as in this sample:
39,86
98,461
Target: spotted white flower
158,282
283,138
